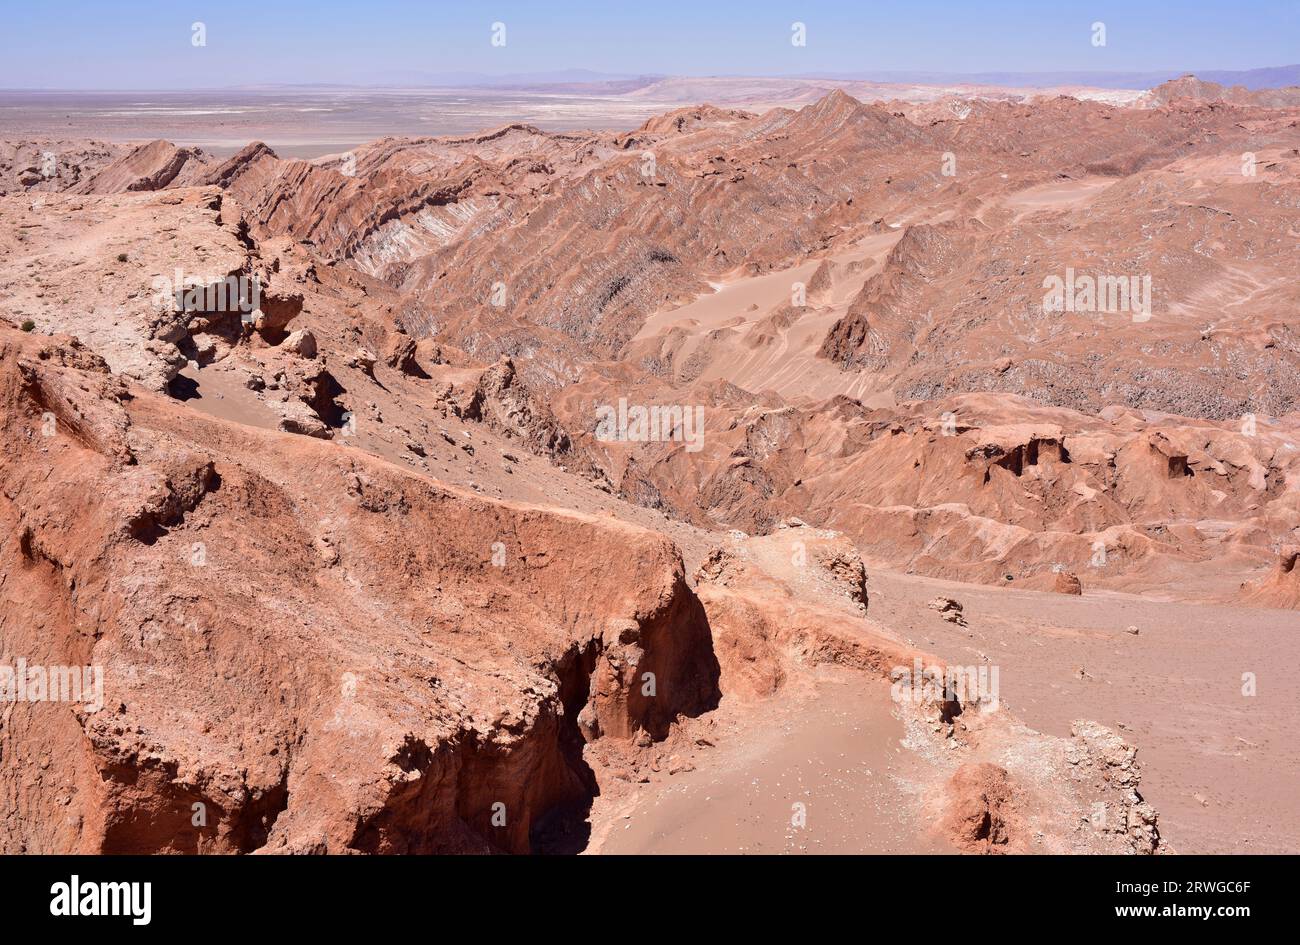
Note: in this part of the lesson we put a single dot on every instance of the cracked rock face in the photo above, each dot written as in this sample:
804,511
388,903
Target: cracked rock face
1105,764
309,702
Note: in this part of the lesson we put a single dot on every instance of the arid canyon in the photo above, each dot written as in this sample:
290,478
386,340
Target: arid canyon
794,467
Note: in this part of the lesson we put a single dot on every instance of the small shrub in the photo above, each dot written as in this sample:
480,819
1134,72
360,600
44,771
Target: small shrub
28,325
121,257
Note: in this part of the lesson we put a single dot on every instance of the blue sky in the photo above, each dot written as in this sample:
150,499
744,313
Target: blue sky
135,44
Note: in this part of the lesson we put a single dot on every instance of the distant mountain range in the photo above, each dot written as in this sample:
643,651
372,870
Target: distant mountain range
585,79
1272,77
589,82
483,80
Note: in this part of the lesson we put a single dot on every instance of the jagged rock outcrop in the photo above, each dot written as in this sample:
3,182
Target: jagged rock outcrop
980,809
1189,88
1067,582
151,166
52,166
378,705
504,402
1107,765
1281,586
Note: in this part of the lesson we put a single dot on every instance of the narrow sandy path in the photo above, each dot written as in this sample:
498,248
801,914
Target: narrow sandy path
836,749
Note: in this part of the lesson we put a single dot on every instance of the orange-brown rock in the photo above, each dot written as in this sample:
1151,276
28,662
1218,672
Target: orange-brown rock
981,817
1066,582
150,166
361,661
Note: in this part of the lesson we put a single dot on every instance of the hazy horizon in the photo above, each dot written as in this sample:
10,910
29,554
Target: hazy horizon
151,46
513,80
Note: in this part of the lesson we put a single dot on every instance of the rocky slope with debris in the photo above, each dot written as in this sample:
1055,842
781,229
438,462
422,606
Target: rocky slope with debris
307,456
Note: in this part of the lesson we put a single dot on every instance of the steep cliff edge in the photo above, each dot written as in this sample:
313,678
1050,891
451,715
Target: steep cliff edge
304,647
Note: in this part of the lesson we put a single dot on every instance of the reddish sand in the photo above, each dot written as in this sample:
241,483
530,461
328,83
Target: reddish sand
1220,766
835,748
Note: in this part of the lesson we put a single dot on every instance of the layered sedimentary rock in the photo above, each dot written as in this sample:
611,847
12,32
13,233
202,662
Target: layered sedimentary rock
151,166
